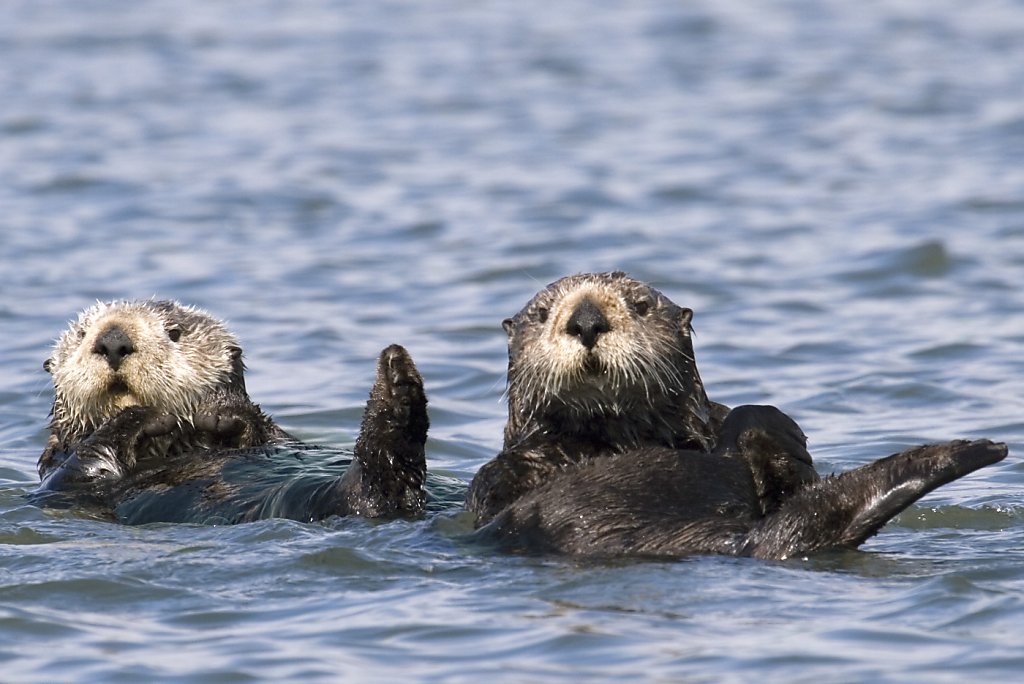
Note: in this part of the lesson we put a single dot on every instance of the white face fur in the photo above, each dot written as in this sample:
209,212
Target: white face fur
629,358
128,353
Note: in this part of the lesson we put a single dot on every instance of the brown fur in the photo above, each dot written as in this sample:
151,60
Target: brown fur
179,362
612,447
598,363
636,385
152,423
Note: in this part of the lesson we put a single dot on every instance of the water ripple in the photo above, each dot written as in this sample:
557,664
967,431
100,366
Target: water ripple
833,188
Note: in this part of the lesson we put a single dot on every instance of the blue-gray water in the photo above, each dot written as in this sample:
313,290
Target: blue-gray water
836,188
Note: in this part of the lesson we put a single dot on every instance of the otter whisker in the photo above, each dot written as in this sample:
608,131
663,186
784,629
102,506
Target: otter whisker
144,381
636,375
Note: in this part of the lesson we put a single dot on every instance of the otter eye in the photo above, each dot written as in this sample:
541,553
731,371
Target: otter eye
81,333
174,333
542,314
641,307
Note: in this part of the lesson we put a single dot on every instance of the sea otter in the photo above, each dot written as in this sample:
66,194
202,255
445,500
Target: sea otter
612,447
661,502
598,363
151,422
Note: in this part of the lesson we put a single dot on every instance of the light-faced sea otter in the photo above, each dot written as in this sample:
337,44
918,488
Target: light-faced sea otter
151,422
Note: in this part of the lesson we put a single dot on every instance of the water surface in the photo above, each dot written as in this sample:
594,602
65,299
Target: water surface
835,189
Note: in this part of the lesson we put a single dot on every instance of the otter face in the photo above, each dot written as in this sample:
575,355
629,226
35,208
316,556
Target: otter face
138,353
599,344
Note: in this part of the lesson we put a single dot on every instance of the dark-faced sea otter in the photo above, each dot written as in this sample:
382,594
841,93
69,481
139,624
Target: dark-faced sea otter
152,422
598,363
612,447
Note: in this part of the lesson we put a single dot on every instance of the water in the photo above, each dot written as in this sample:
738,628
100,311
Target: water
835,189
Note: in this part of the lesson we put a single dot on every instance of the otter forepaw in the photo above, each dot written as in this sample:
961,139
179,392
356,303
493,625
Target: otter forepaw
131,424
398,390
105,455
386,477
221,426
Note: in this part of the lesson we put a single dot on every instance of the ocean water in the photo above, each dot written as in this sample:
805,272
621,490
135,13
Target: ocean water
835,188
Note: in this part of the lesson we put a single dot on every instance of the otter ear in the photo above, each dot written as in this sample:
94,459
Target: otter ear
685,316
48,365
509,325
237,368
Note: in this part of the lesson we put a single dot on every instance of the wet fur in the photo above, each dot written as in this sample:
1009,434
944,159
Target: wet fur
384,479
637,386
670,502
612,447
195,379
168,432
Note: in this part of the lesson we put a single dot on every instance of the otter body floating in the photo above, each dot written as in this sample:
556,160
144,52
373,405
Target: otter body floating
613,448
152,423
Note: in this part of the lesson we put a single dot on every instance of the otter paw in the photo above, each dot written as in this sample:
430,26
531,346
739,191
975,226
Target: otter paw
219,425
132,423
94,462
395,418
89,466
399,386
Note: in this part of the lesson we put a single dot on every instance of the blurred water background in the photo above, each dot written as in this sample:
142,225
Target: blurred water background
837,190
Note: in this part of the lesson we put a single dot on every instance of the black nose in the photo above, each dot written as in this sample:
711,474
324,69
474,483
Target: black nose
114,344
587,323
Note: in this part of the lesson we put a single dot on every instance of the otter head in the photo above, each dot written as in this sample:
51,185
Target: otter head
139,353
603,356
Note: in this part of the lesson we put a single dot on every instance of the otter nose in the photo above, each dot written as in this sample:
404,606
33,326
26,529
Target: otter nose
114,344
587,323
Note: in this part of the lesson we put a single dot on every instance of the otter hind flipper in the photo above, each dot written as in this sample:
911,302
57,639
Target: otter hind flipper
845,510
387,474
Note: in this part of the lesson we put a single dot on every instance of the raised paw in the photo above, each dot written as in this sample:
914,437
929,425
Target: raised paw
386,476
397,395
